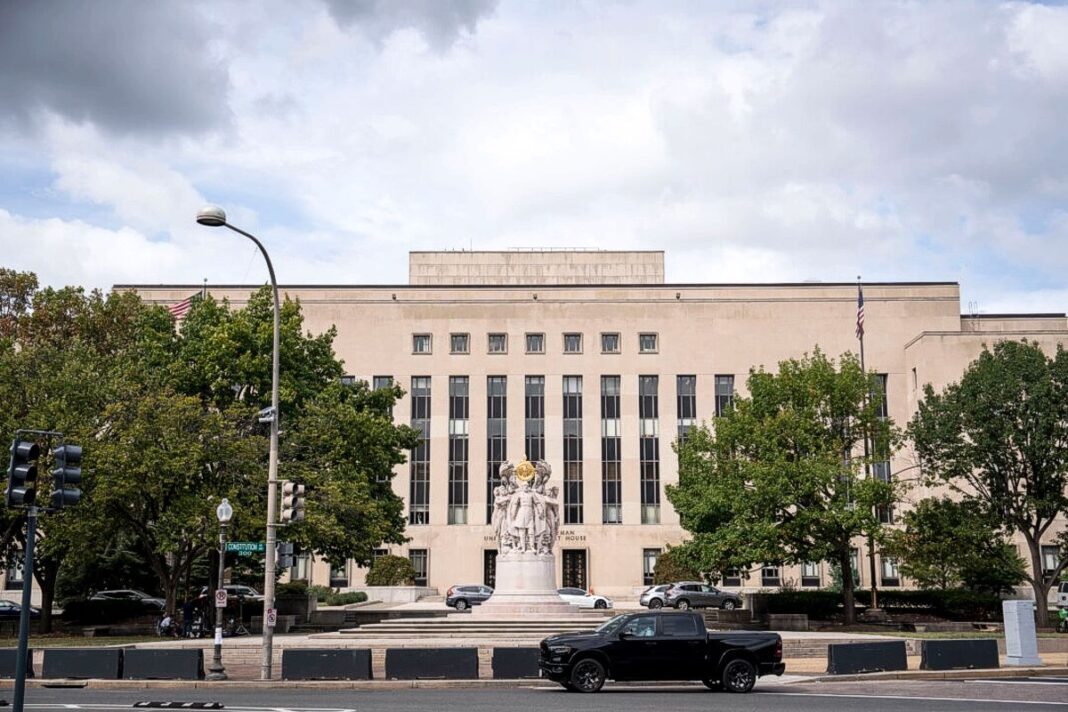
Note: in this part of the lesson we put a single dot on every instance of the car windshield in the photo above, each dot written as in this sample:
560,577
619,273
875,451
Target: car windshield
612,624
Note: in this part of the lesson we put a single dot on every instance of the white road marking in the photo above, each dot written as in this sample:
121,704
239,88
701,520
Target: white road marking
110,706
915,697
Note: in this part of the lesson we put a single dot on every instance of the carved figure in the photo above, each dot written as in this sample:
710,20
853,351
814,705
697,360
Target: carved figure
525,514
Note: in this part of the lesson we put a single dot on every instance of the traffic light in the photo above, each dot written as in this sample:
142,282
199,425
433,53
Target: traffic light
22,474
292,502
67,471
284,554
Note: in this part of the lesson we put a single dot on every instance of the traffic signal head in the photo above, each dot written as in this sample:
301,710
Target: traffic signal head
67,471
284,554
22,474
292,502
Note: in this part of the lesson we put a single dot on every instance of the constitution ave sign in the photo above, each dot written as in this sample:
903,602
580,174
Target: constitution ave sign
246,548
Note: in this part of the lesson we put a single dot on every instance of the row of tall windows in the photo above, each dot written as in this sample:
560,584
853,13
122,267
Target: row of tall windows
534,412
497,343
419,469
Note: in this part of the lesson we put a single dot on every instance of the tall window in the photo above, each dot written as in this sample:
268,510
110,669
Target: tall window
610,343
459,419
810,574
459,343
770,576
13,577
572,449
611,475
890,575
572,343
881,467
383,382
535,343
419,488
498,343
339,575
686,395
348,380
496,435
419,559
1051,559
649,447
420,343
649,557
534,407
854,563
724,393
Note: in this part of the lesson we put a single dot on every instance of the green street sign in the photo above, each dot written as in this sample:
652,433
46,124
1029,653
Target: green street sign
247,548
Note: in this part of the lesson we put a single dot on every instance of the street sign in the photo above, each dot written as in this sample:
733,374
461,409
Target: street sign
272,617
246,548
220,598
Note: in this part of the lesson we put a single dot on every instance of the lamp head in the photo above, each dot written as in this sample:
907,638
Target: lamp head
212,216
224,511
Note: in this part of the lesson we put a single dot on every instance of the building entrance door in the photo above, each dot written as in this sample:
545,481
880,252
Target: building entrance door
489,568
575,568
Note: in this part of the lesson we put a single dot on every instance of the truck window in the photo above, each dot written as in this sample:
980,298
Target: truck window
641,627
677,626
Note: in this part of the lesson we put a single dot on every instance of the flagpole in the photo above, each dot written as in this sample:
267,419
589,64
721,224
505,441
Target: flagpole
867,448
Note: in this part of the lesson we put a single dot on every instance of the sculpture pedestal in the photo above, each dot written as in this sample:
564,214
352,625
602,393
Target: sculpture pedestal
526,585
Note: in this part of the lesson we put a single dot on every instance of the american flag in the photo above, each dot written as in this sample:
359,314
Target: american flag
860,312
179,310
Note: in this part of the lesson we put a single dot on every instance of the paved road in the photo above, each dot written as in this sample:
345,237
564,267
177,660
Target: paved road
889,696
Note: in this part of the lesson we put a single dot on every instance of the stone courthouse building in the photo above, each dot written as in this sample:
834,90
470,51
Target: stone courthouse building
593,362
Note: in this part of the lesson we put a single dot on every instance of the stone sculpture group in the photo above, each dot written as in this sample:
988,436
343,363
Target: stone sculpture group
526,512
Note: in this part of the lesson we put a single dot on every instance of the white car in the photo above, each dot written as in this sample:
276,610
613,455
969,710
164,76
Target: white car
583,599
1062,595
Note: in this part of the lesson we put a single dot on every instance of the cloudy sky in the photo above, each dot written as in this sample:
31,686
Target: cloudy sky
752,141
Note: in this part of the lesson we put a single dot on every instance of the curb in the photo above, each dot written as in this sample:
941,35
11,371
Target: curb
941,674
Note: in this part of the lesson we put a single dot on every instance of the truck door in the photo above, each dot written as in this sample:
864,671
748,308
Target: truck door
635,655
683,646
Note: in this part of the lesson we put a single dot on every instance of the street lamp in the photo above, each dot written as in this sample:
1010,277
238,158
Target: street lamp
224,512
214,216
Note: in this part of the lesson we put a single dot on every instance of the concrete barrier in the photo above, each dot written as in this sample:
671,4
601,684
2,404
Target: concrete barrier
851,658
83,663
957,654
431,663
788,621
326,664
514,663
8,656
163,664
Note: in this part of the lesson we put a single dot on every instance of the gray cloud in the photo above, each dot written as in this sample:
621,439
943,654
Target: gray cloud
125,66
440,21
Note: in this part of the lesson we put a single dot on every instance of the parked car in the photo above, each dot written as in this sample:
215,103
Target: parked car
9,610
653,597
1062,595
584,599
464,596
236,590
129,594
694,594
660,645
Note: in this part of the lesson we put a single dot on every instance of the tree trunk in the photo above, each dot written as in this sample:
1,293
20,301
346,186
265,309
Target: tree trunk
46,571
848,602
1039,586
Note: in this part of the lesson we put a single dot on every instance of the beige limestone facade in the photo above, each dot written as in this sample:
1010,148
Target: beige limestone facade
622,361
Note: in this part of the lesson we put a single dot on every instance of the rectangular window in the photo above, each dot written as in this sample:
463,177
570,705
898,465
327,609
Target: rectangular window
498,343
534,407
648,343
889,574
13,578
1051,559
420,343
383,382
810,574
854,563
686,404
611,458
732,577
610,343
459,343
649,557
881,468
496,435
348,380
649,447
378,554
572,343
459,414
724,394
770,576
339,575
572,449
419,467
420,561
535,343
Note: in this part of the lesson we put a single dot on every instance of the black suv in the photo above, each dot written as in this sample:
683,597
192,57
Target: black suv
661,645
694,594
463,597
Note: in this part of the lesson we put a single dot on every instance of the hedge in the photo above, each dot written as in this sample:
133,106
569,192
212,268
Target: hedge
952,604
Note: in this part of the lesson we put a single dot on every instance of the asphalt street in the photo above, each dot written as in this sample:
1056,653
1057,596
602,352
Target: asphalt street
972,696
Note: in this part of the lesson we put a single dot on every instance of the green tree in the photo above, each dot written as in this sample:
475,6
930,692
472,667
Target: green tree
672,566
779,478
391,571
999,437
947,544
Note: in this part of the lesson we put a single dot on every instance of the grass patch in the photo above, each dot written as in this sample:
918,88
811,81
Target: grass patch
81,641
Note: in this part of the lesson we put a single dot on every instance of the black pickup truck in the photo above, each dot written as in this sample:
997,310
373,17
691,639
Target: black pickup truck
660,646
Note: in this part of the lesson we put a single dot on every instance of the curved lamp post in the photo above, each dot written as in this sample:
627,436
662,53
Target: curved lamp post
214,216
224,513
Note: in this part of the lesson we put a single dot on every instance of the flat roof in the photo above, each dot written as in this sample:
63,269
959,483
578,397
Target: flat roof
680,285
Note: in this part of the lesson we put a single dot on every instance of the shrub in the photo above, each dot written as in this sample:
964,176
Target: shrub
292,588
391,571
671,567
321,593
344,599
89,612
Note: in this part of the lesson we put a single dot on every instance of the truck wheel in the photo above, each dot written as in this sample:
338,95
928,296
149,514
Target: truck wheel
655,603
729,605
461,605
683,605
587,675
739,675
